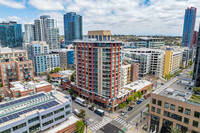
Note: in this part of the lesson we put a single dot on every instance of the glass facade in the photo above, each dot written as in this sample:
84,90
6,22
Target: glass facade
188,29
72,27
11,34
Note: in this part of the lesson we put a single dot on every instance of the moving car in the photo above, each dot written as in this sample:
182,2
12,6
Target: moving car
130,108
76,112
123,113
91,108
99,112
80,101
140,101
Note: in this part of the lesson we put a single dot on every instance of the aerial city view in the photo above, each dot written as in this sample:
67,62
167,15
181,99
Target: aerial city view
99,66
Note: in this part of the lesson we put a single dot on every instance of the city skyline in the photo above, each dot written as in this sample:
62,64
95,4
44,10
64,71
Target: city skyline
147,17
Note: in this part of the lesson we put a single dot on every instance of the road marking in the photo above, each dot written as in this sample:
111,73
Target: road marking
132,128
136,110
112,117
89,131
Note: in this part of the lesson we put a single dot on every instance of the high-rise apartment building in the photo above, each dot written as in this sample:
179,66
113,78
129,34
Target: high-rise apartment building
11,34
98,69
14,66
195,34
188,28
100,35
172,61
66,57
149,42
43,60
196,72
72,27
29,32
46,30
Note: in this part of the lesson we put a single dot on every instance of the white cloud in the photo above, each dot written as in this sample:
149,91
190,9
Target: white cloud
47,4
13,18
13,4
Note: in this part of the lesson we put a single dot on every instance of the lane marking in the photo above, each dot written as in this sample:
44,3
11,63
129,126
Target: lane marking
136,110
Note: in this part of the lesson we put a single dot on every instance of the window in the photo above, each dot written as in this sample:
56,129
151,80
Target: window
180,109
196,114
172,107
158,111
59,110
159,103
195,123
33,119
187,111
19,126
186,120
154,101
153,109
59,117
47,115
67,106
68,112
173,116
47,123
6,131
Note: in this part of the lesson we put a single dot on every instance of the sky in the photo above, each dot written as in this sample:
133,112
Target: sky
129,17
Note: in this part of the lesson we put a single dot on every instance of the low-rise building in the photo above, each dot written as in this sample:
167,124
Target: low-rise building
19,89
174,105
149,42
35,113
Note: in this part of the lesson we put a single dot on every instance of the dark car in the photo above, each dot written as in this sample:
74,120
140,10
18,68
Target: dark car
85,122
130,108
91,108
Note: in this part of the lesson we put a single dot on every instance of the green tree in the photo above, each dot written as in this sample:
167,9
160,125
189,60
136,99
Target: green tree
57,69
82,114
48,77
136,95
52,71
71,92
42,73
139,94
1,85
131,99
122,105
80,126
72,78
191,62
147,107
191,73
174,130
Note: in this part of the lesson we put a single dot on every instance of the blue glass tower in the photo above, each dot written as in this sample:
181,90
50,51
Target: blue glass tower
11,34
188,29
72,27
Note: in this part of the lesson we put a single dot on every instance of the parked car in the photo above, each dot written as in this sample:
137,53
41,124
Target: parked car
91,108
123,113
140,101
130,108
85,122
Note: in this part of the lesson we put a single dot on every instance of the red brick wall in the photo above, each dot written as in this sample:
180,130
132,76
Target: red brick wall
68,129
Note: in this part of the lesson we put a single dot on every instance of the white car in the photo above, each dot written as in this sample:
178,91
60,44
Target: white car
76,112
123,113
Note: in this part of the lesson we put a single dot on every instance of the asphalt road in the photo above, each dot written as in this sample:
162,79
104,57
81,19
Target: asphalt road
90,117
137,110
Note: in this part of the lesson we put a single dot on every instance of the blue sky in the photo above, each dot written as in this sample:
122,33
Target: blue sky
137,17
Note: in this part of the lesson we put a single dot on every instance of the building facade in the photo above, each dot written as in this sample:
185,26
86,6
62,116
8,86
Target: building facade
35,113
14,66
66,58
195,34
188,28
29,33
196,71
11,34
72,27
134,71
149,42
172,61
126,74
174,106
99,35
46,30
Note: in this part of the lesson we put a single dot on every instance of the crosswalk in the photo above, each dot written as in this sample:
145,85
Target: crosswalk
123,122
100,124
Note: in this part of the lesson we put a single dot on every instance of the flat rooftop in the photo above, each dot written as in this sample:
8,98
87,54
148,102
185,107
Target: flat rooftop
20,108
137,85
20,86
10,50
70,121
67,72
179,90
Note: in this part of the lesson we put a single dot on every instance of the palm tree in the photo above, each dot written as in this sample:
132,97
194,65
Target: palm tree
174,130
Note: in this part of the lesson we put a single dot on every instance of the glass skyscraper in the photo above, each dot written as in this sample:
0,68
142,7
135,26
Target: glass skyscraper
72,27
11,34
189,24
